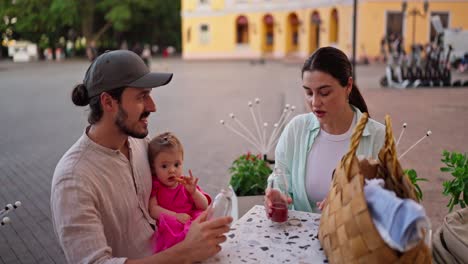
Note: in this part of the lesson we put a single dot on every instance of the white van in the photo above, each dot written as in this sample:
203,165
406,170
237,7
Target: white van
23,51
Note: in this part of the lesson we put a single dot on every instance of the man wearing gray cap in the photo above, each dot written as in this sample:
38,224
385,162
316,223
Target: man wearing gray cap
102,184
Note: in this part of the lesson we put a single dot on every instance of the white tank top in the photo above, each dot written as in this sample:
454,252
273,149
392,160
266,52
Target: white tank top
327,150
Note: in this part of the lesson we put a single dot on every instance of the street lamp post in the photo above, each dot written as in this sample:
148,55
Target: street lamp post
414,12
354,39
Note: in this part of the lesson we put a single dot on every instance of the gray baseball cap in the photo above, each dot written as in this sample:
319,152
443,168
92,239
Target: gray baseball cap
121,68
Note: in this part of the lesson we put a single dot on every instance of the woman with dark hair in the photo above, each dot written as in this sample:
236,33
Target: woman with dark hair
312,144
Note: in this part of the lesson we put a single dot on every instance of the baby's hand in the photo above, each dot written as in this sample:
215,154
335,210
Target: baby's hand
191,183
183,218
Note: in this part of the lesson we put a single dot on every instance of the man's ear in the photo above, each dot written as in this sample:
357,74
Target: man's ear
108,103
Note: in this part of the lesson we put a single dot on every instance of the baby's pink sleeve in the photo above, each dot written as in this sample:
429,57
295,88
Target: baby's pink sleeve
154,190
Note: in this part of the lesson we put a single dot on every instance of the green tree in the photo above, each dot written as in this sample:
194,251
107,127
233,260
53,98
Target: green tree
33,18
92,18
168,28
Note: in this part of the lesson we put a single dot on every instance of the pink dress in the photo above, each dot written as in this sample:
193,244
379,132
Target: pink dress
170,231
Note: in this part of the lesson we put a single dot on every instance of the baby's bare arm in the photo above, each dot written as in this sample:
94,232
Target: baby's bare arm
200,200
155,209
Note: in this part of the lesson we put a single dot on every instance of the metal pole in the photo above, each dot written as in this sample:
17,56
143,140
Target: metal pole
354,39
414,26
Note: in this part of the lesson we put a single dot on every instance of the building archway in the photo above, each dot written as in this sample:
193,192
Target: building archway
242,30
314,32
292,33
333,26
268,35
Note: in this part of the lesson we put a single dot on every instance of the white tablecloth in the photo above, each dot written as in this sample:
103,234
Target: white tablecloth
256,239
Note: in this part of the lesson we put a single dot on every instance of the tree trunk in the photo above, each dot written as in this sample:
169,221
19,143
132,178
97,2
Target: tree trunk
102,30
87,24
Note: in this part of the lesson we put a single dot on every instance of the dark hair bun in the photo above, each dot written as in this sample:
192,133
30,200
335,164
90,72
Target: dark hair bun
80,95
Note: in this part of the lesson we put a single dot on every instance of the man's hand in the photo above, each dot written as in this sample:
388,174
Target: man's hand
183,218
203,239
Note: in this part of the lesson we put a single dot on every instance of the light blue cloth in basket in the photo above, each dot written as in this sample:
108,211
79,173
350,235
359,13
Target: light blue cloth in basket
399,221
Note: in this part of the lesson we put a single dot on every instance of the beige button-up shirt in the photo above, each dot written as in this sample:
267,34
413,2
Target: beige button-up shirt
99,202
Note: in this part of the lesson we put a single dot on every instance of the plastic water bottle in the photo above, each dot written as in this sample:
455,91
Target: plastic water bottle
222,204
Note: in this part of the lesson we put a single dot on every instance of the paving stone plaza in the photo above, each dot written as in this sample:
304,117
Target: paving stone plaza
39,123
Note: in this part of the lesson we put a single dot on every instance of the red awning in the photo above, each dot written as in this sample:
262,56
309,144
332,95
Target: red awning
242,20
268,19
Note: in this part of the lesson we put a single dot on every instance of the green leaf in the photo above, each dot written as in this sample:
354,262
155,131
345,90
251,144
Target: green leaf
419,193
413,177
457,165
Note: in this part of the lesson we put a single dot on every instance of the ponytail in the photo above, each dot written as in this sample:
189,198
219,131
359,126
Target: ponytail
356,99
80,97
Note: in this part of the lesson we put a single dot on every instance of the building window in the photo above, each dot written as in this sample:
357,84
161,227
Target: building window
334,26
268,20
444,19
314,33
242,30
394,27
294,25
204,34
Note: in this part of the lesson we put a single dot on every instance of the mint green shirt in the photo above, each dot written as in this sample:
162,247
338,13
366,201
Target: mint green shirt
296,141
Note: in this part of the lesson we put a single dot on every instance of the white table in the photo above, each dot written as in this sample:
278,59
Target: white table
256,239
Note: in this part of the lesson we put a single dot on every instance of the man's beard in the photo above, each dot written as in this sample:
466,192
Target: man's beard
120,122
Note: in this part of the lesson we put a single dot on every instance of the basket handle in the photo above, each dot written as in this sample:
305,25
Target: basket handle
390,147
355,139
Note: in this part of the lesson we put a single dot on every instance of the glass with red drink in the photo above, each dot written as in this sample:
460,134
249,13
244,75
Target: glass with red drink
279,212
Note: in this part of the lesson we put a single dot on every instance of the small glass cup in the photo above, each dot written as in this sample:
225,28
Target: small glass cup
279,212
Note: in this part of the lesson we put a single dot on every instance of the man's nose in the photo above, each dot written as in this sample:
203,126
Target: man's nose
150,105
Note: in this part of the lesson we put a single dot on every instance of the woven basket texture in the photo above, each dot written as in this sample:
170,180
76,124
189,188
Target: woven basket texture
346,231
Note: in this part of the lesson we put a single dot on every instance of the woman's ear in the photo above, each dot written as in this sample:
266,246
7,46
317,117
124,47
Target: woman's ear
349,86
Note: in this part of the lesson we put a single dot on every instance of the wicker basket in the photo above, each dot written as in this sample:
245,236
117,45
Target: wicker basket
346,230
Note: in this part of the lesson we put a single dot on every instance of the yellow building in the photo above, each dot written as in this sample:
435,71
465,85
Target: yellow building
279,28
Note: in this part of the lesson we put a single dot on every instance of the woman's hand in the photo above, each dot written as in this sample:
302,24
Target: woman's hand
183,218
272,195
